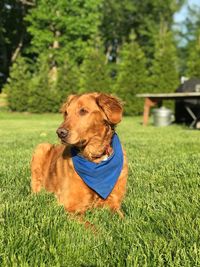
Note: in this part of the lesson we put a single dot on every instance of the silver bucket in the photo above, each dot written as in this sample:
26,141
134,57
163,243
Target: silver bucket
162,116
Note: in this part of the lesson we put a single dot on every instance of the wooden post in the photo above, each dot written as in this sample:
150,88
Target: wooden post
147,105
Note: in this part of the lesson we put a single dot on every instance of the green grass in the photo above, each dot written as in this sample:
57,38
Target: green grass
162,216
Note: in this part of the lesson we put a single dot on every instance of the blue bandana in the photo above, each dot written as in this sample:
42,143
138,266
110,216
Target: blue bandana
101,177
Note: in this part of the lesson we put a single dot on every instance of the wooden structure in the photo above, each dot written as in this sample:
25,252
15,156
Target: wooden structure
152,100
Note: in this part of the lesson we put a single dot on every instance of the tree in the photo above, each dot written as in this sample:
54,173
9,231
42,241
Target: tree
13,35
120,17
68,79
193,62
58,34
132,76
164,71
65,25
18,85
42,89
39,90
192,47
95,75
48,90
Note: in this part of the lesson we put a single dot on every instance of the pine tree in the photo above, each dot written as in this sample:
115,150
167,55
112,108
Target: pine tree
95,75
193,63
18,85
68,79
48,90
41,88
164,71
132,76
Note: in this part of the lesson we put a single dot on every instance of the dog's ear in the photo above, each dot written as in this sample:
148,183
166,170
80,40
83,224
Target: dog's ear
67,102
111,106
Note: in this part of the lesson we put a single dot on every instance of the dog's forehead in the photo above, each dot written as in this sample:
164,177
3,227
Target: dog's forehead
87,101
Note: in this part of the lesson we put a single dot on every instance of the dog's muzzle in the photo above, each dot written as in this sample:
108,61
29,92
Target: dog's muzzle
62,133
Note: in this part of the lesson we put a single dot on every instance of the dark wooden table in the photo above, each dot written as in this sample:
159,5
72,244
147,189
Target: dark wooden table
152,100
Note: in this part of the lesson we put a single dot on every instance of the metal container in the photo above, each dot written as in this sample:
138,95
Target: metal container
162,116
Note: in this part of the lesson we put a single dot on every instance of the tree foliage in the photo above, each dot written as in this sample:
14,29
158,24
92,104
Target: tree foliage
59,53
95,75
66,25
164,71
193,63
132,76
17,87
12,34
121,17
192,48
41,90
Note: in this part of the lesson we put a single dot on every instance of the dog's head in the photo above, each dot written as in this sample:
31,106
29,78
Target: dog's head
89,119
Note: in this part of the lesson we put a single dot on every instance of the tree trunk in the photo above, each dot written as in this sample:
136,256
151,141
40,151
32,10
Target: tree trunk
18,49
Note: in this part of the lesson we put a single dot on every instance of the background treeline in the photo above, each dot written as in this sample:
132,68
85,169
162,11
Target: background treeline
52,48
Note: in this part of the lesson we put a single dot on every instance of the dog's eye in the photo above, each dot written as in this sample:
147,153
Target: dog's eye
83,111
65,113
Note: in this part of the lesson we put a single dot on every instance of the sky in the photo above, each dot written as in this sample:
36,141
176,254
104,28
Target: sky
180,16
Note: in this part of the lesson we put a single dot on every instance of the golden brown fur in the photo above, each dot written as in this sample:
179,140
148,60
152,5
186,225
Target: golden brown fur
89,122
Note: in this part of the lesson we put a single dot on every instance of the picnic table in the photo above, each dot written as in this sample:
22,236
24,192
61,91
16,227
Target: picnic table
152,100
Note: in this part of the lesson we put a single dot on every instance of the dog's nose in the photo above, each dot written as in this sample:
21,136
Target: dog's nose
62,133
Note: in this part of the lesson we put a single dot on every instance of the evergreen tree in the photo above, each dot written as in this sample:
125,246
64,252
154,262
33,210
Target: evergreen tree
193,62
50,87
164,71
132,76
41,88
95,75
68,79
18,85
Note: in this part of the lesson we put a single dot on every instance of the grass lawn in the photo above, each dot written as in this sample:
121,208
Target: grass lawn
162,216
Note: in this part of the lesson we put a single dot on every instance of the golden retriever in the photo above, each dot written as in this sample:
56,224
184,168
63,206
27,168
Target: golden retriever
89,124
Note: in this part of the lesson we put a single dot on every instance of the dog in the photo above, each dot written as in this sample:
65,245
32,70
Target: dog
87,133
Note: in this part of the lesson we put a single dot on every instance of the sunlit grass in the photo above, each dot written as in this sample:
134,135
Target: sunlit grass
162,221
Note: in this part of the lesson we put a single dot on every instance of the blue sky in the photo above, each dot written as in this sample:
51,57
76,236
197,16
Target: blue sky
180,16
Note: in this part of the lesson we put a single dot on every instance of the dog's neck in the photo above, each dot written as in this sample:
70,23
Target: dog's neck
98,148
98,157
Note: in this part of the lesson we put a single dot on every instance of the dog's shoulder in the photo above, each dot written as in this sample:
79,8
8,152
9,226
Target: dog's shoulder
61,152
